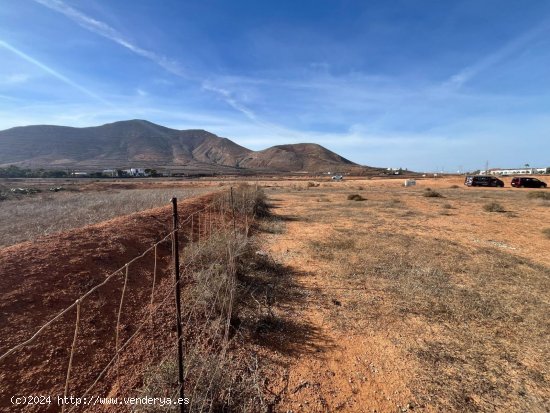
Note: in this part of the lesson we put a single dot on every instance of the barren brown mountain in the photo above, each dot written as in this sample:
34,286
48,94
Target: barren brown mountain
139,143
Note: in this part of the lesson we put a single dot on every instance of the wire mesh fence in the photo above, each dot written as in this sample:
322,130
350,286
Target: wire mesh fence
123,337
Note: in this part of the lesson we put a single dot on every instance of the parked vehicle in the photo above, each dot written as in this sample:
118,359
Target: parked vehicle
483,180
337,177
526,182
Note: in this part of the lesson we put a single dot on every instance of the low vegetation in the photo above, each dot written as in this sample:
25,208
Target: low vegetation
470,321
26,218
493,207
228,297
539,195
429,193
355,197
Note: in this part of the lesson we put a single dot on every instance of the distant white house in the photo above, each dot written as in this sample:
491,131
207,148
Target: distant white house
113,173
136,172
517,171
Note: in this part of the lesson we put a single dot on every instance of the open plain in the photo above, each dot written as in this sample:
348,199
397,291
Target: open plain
382,298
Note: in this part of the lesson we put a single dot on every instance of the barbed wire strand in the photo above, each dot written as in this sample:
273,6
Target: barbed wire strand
153,309
117,329
82,297
152,299
73,347
127,342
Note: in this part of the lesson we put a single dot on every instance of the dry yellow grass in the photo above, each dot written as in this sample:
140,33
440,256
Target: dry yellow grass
423,311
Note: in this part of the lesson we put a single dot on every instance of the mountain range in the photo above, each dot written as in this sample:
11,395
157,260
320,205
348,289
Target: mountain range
139,143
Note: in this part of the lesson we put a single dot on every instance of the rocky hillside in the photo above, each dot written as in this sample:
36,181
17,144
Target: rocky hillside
145,144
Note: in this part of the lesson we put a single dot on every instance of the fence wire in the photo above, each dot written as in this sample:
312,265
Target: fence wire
195,230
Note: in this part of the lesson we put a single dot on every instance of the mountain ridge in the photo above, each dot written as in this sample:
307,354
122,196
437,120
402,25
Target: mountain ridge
137,142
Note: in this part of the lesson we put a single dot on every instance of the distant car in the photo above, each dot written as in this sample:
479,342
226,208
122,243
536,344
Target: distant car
525,182
483,180
337,177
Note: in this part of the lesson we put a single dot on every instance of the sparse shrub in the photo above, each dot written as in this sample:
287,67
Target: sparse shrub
312,184
431,194
454,187
159,381
546,232
360,188
355,197
261,208
493,207
447,206
221,303
539,195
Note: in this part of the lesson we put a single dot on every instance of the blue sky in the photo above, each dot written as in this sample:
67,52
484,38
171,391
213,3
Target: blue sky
426,85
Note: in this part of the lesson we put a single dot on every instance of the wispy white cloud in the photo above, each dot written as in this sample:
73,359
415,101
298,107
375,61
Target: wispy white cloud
15,79
231,101
103,29
490,60
52,72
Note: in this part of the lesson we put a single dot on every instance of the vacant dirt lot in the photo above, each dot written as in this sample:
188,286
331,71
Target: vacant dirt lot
374,298
412,302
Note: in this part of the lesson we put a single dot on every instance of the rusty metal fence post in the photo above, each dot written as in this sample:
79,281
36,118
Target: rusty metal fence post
176,261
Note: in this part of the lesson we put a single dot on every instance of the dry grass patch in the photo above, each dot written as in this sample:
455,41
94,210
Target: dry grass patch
356,197
539,195
493,207
47,213
474,320
224,281
430,193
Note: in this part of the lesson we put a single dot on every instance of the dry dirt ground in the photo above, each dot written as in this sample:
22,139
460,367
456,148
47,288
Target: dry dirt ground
392,303
411,303
39,279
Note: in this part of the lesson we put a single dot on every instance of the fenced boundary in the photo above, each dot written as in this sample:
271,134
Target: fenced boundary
220,213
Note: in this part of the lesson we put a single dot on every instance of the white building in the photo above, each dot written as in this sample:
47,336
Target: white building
113,173
136,172
517,171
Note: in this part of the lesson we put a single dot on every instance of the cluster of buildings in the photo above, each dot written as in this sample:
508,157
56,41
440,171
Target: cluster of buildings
516,171
133,172
114,173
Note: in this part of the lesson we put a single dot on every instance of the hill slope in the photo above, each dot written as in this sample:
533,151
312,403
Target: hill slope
145,144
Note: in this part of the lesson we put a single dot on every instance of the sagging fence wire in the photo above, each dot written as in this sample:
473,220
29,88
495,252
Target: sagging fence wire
195,230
